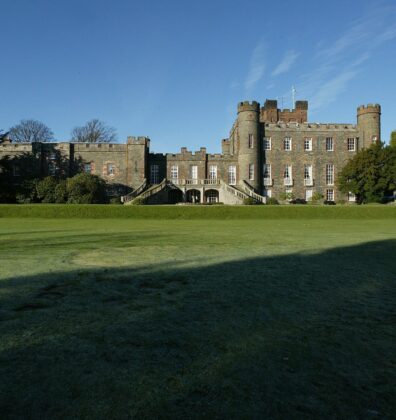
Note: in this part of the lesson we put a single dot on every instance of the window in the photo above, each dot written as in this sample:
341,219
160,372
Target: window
287,175
307,145
154,174
329,144
251,141
232,175
308,180
212,196
16,170
194,172
267,143
267,193
374,139
251,171
267,170
87,167
351,145
351,197
174,172
267,174
330,195
307,171
213,172
329,174
287,143
52,168
110,169
308,195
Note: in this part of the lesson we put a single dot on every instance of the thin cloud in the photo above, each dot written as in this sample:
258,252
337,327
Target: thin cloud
257,67
342,61
287,61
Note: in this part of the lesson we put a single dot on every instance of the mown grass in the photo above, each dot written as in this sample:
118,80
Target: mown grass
124,319
197,212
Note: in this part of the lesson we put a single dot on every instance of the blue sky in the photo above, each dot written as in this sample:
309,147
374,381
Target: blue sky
175,70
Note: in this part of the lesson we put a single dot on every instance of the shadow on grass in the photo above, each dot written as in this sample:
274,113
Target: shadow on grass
294,336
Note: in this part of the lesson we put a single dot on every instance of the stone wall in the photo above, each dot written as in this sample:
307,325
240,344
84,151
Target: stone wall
297,157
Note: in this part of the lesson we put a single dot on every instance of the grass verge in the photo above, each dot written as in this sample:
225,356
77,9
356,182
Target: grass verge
197,212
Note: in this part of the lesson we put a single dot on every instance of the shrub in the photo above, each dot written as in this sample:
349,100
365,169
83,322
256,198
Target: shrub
115,200
298,201
86,189
46,189
286,196
27,192
61,192
316,196
272,201
249,201
329,203
342,202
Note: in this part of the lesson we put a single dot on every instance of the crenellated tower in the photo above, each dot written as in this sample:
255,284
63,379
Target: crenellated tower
369,124
249,143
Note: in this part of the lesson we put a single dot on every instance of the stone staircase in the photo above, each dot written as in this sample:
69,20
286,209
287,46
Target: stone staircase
127,199
150,190
251,193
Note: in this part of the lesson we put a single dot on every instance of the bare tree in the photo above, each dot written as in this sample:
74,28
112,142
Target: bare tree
94,131
30,131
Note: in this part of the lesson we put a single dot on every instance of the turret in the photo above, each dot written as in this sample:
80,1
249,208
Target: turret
249,143
369,124
138,149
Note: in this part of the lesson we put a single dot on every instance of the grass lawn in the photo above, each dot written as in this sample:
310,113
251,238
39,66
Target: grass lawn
117,318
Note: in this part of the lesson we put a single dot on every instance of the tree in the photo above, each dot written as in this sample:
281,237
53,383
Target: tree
94,131
371,174
392,141
7,193
86,189
30,131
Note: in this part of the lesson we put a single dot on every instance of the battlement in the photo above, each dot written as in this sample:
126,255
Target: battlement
186,154
271,113
249,106
157,155
303,105
16,147
310,126
213,157
105,147
138,140
364,109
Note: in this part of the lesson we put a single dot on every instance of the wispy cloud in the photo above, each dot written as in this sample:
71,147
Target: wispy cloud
287,61
336,64
257,66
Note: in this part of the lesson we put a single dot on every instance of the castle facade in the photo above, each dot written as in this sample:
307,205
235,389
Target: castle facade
269,153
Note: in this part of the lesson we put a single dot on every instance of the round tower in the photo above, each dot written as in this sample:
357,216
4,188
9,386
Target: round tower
369,124
249,143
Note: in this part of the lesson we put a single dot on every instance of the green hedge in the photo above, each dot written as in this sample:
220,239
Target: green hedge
94,211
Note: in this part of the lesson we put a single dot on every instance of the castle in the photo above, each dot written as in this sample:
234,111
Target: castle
269,153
